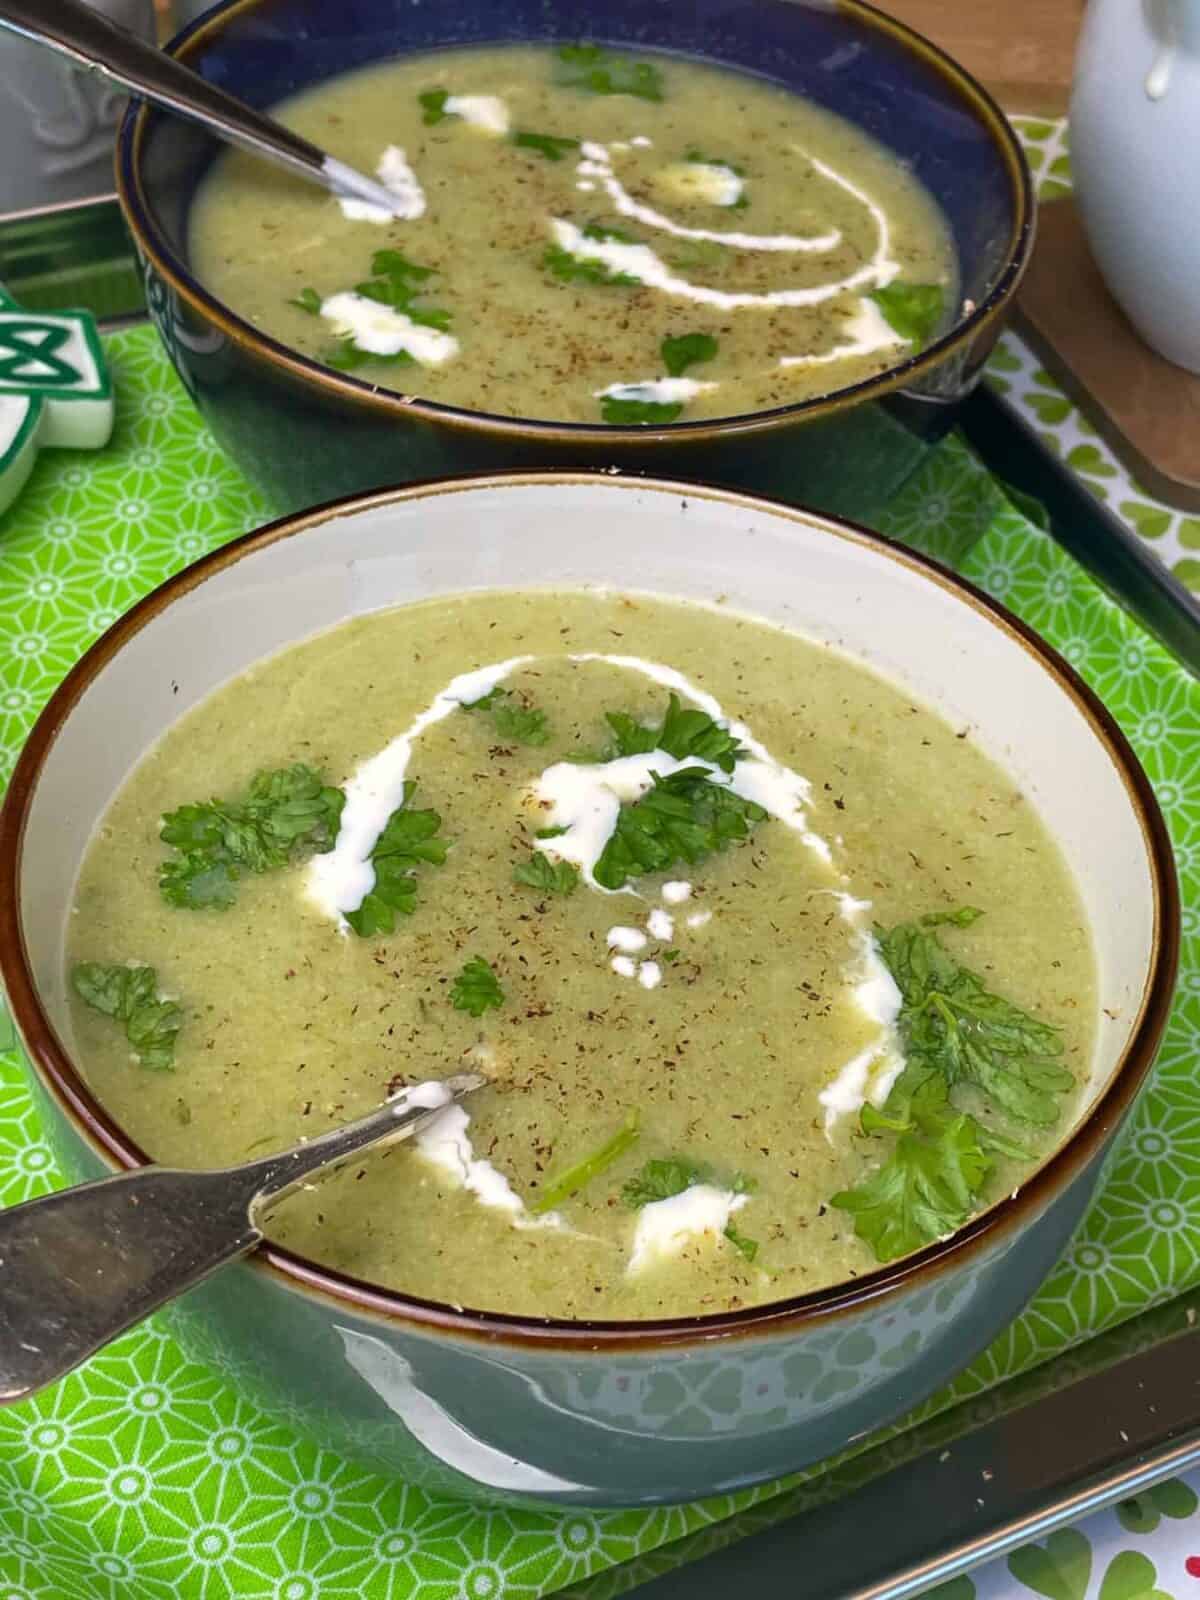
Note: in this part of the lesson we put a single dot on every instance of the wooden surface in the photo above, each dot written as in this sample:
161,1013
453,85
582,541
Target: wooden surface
1022,50
1147,409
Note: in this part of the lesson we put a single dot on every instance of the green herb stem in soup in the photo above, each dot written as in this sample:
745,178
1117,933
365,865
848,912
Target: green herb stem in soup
584,236
774,975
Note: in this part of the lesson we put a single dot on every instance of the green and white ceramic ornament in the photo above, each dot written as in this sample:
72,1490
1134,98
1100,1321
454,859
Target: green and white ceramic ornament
55,390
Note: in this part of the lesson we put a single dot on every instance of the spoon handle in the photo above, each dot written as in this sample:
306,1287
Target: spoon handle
81,1266
93,41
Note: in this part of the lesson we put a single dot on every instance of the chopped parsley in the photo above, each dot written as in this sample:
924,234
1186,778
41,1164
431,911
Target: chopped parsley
433,106
308,300
598,71
396,281
551,877
681,733
953,1030
130,996
409,839
551,145
684,351
284,816
476,989
577,1177
511,719
623,412
663,1178
746,1247
684,817
913,310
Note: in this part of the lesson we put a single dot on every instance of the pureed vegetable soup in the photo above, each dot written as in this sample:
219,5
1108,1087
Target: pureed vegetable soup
586,237
775,975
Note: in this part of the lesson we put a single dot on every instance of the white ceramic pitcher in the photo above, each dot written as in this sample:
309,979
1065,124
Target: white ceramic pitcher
1135,155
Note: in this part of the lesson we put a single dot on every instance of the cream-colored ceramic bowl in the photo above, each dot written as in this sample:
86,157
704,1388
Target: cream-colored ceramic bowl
606,1413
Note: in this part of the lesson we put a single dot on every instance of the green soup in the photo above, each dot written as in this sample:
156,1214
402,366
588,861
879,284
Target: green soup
587,238
661,880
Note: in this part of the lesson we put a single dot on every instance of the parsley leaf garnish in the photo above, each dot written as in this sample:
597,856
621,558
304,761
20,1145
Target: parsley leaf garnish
130,996
408,839
962,918
598,71
913,310
396,282
928,1188
951,1023
433,106
577,1177
624,412
283,816
308,300
953,1030
684,817
511,719
683,352
748,1248
551,145
551,877
681,733
476,989
662,1178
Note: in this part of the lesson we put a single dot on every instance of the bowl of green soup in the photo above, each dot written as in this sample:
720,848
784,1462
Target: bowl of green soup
748,243
813,925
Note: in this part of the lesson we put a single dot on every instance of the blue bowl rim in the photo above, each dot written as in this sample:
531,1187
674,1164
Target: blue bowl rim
139,117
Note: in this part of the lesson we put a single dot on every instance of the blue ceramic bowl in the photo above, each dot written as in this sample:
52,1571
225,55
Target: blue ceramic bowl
306,433
605,1413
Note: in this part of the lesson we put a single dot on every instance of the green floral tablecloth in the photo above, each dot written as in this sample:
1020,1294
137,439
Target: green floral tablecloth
145,1475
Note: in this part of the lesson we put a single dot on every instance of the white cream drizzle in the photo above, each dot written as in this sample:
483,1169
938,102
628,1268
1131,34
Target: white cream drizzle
676,891
698,919
443,1142
339,880
384,331
597,164
624,966
877,997
664,1227
629,940
706,182
658,391
398,178
487,112
649,974
640,262
869,331
660,924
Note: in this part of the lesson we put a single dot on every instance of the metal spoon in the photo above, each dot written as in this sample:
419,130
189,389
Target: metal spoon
91,40
79,1267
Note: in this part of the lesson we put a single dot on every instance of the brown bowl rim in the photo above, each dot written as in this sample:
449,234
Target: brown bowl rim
53,1066
400,407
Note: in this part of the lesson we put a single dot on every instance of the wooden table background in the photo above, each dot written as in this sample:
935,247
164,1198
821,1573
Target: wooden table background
1021,49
